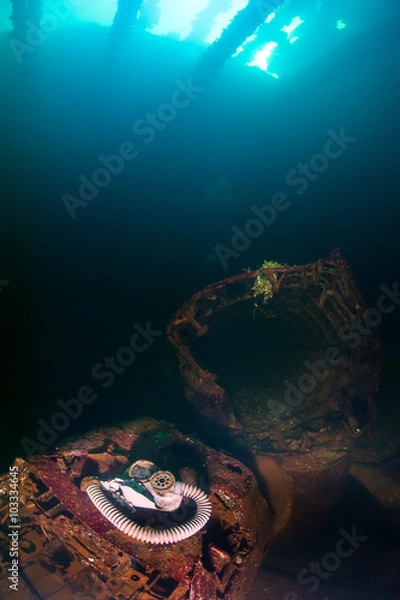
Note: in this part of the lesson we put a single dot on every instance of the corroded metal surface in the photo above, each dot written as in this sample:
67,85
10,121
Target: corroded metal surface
323,396
68,550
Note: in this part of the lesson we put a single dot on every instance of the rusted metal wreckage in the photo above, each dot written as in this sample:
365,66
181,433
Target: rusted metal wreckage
294,392
69,550
296,411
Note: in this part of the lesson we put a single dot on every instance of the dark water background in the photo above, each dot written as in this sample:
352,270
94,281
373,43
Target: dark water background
145,243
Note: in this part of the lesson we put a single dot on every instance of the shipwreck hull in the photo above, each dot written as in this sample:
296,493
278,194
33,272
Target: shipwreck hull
298,416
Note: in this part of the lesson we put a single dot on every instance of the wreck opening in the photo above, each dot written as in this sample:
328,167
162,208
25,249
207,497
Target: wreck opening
270,359
253,353
262,355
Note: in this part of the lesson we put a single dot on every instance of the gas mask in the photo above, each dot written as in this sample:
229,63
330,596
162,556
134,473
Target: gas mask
148,487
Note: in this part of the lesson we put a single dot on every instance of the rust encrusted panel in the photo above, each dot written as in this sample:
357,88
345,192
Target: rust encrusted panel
61,520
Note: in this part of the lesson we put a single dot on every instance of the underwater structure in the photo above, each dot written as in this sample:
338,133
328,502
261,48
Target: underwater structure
24,12
71,536
144,511
296,418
